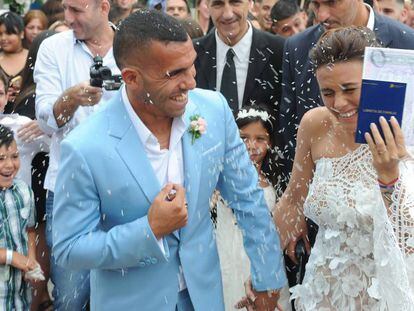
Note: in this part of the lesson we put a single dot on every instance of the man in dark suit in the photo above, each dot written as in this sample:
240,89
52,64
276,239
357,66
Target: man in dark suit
257,57
300,91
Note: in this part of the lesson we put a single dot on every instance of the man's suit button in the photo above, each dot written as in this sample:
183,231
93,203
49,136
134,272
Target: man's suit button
147,261
154,260
141,264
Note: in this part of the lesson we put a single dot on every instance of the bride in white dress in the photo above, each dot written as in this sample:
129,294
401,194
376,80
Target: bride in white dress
361,196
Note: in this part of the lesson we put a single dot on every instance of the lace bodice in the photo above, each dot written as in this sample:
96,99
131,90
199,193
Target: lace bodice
332,200
356,262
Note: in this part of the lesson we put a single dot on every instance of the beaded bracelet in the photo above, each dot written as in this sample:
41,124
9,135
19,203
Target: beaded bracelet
387,186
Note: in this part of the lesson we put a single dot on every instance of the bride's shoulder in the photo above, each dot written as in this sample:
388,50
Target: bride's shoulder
316,121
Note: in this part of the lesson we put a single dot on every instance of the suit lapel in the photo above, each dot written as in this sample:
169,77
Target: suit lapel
131,150
192,162
258,59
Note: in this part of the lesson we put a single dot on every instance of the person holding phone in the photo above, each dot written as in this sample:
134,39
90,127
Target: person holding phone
360,195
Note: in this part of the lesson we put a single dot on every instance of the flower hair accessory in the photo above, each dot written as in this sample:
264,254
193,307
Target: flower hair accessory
198,127
253,113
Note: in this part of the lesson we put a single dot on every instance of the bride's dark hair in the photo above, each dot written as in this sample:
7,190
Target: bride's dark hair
342,44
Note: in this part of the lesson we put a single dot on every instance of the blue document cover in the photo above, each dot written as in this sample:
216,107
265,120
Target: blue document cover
379,98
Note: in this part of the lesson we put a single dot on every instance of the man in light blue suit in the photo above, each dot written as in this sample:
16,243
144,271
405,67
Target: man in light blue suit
132,194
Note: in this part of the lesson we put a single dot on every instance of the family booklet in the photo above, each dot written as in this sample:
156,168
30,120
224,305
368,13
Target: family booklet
387,90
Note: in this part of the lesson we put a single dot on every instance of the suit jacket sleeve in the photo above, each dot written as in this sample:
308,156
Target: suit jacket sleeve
78,239
287,117
238,185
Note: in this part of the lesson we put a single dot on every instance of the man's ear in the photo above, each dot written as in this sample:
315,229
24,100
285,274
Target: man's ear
404,15
304,16
105,6
131,77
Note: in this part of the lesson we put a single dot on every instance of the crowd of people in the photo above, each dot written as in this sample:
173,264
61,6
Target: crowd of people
223,162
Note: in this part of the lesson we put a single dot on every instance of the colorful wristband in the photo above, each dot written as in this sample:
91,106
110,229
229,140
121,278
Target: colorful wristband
9,256
387,185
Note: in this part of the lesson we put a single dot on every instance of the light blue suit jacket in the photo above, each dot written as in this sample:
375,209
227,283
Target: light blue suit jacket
105,187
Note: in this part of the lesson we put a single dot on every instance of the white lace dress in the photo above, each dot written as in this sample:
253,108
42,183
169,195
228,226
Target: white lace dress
234,263
356,262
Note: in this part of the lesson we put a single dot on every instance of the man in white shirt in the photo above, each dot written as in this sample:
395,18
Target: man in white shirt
64,99
149,247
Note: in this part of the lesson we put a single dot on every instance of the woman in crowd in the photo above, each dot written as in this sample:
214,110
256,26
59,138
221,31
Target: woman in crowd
35,21
203,15
361,196
13,55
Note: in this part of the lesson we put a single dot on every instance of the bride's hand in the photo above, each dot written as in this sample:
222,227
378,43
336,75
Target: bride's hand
299,232
386,155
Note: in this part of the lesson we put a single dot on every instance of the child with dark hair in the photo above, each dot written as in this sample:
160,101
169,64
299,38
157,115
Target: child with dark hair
17,236
28,147
257,130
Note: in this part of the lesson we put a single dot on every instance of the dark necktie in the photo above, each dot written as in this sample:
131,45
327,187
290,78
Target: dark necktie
229,82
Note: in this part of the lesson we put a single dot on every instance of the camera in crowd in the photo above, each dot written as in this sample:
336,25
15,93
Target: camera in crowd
101,76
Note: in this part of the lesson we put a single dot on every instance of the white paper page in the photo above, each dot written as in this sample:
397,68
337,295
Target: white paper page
394,65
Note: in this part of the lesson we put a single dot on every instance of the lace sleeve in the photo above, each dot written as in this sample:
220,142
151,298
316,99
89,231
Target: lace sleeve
402,214
402,207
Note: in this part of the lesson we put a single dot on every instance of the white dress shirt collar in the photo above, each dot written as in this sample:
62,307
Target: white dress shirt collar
147,138
371,18
241,60
241,48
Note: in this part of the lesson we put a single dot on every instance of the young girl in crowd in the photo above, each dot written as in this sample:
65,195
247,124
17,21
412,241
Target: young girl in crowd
258,132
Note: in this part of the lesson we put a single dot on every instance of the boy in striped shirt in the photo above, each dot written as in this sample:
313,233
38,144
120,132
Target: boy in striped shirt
17,236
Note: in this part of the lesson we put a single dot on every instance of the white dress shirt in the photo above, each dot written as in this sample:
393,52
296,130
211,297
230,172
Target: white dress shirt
167,164
241,60
62,62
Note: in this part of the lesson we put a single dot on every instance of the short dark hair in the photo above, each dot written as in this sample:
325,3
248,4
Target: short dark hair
5,80
186,5
137,31
284,9
342,44
6,136
12,22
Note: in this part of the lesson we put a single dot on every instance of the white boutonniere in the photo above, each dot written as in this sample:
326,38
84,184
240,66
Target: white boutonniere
198,127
